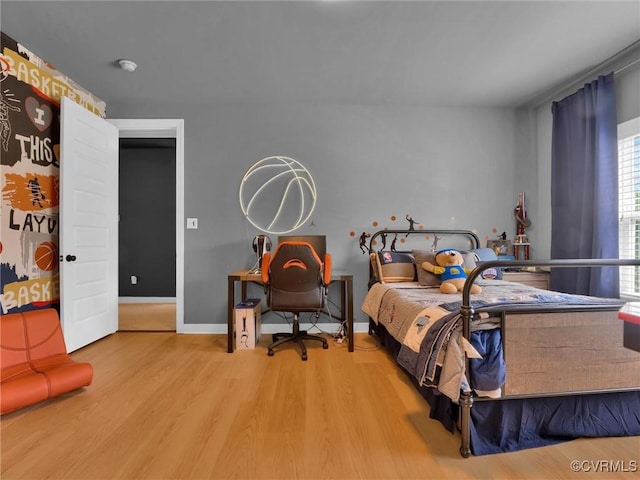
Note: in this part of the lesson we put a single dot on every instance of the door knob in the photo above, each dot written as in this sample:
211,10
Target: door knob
71,258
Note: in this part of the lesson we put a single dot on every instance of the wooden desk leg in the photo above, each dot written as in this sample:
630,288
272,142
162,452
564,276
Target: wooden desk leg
231,294
350,311
343,303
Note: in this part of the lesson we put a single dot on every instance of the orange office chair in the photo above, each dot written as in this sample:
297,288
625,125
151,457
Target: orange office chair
295,281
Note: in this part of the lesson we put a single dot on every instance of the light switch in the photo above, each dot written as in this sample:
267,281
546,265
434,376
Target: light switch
192,223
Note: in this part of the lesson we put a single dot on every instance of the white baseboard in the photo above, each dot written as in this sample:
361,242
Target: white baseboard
146,299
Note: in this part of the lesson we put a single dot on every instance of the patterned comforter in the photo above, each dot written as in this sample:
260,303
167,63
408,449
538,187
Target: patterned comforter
428,324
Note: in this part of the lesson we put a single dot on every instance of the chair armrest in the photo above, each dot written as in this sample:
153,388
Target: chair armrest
264,268
326,277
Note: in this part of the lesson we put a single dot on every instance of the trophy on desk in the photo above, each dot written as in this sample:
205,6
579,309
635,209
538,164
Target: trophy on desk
261,245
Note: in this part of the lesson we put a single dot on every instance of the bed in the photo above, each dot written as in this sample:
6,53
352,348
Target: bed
512,367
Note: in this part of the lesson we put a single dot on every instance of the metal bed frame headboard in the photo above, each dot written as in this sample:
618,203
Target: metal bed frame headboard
471,236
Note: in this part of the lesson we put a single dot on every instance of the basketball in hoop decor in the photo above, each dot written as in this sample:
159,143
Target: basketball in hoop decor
277,195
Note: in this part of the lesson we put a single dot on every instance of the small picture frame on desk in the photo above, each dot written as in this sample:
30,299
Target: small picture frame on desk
500,247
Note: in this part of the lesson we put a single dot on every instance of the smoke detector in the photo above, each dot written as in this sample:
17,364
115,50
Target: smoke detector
127,65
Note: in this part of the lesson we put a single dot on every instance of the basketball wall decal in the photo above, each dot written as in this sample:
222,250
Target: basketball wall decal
46,256
277,195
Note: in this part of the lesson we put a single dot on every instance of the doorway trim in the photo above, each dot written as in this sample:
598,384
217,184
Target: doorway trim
165,128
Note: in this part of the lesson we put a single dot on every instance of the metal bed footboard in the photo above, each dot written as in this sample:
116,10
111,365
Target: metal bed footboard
467,312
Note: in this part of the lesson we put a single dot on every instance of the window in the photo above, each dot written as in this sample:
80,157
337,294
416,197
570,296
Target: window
629,204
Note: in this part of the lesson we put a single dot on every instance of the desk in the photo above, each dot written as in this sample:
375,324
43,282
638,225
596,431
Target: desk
247,276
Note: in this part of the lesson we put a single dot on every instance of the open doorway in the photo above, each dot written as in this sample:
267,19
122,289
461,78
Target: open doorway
146,241
160,132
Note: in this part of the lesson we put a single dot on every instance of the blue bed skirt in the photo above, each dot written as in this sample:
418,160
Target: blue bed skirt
508,425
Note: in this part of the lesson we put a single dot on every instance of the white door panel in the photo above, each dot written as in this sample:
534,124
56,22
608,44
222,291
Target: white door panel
88,226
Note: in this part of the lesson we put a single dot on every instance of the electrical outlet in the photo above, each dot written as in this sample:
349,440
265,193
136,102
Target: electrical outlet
192,223
134,280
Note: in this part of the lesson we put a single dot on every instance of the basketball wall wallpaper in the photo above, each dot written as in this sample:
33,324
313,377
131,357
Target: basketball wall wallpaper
30,163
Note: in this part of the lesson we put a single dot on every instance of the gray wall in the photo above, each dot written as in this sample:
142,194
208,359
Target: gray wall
447,167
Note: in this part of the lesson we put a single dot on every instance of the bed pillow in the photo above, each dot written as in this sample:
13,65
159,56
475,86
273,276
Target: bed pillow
474,258
426,279
395,267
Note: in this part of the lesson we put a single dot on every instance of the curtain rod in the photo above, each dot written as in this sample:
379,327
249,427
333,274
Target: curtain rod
630,64
552,94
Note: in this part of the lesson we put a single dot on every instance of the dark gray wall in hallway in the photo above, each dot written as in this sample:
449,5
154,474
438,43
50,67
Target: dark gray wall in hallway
147,239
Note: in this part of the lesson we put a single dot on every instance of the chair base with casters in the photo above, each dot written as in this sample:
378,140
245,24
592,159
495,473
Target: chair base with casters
296,336
295,281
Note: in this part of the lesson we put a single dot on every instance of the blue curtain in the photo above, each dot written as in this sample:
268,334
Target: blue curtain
584,188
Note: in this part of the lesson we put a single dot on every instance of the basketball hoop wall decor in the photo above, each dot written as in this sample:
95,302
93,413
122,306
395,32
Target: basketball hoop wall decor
277,195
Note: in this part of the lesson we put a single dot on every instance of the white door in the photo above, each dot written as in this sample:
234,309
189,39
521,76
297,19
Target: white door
88,226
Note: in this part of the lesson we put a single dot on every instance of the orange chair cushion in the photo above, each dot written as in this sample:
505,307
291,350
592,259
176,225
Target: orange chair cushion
20,385
21,390
44,334
35,363
63,374
13,342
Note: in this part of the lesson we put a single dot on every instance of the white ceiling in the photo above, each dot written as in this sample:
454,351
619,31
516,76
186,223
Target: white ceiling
482,53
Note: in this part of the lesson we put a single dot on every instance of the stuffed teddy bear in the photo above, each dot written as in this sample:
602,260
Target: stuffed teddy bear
452,274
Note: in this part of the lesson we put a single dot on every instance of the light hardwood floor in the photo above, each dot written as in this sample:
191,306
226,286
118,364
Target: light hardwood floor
168,406
150,317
